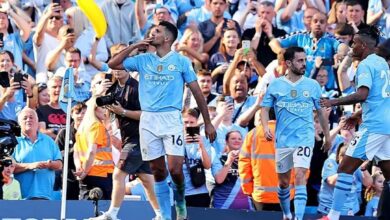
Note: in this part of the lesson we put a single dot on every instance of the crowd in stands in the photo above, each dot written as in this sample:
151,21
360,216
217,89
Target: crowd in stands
236,48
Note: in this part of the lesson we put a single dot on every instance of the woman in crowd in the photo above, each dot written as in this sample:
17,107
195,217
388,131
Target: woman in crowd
373,194
197,153
227,193
337,14
40,95
220,61
13,97
191,45
93,153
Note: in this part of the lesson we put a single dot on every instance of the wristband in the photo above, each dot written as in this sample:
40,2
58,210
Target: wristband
123,113
257,35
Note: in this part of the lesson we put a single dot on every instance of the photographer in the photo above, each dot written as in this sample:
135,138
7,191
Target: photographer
15,87
122,100
197,157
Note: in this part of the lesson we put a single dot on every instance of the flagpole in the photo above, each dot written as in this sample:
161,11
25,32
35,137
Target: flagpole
67,86
66,159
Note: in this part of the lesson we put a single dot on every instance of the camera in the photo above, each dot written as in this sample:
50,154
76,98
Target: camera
8,132
105,100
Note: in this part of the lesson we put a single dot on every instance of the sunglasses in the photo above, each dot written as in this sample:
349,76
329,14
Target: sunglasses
56,17
41,87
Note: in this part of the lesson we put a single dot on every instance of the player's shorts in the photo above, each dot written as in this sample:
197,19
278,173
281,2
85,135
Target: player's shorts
293,157
130,160
366,145
161,133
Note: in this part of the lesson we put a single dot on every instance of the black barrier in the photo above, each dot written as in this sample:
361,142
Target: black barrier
50,210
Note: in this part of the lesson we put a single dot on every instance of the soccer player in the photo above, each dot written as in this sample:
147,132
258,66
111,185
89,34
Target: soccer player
373,138
294,97
161,84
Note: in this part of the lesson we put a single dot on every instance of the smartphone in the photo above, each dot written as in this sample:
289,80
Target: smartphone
18,77
56,1
347,114
70,31
229,100
327,62
246,45
108,76
192,131
4,79
1,37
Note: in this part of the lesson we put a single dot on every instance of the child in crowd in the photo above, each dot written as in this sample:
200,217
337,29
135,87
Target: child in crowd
11,187
373,194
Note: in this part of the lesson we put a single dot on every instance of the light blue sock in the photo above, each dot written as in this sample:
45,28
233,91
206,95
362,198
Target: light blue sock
300,201
284,198
180,202
162,194
341,191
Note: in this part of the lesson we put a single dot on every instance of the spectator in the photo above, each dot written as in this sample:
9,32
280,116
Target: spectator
228,193
46,39
258,171
191,45
329,178
11,187
13,40
127,111
316,43
13,98
293,151
56,58
51,117
290,17
219,62
263,33
223,123
308,16
77,114
121,22
378,14
205,83
84,35
92,153
212,29
82,85
344,33
37,157
246,18
337,14
40,96
355,15
197,153
373,194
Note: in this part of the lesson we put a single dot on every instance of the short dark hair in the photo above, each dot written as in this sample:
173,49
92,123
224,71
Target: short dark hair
383,50
353,3
289,54
194,112
344,29
231,132
370,33
79,107
74,50
10,54
171,28
203,72
267,4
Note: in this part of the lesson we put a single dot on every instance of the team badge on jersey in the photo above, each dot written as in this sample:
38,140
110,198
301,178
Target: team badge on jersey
159,68
306,94
171,67
293,93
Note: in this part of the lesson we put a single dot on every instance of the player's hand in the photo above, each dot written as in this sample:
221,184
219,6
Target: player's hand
210,132
327,144
268,134
325,102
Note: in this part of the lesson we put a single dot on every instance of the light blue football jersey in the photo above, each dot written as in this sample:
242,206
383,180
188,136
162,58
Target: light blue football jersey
161,80
373,73
294,104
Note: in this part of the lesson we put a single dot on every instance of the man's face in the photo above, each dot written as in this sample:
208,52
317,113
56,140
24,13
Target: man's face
54,89
266,12
357,47
28,121
72,60
308,16
55,22
205,83
355,13
189,120
322,77
218,7
238,86
158,36
318,24
298,64
162,14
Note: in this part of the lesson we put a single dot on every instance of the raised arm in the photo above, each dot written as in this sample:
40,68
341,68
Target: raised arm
116,61
289,10
41,26
140,15
22,24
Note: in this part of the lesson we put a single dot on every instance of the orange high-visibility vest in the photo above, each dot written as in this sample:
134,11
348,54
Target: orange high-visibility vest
103,163
257,167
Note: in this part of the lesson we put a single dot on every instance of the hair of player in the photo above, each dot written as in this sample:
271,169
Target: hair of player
290,52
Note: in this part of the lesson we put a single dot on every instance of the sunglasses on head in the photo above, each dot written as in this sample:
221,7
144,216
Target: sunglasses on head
41,87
